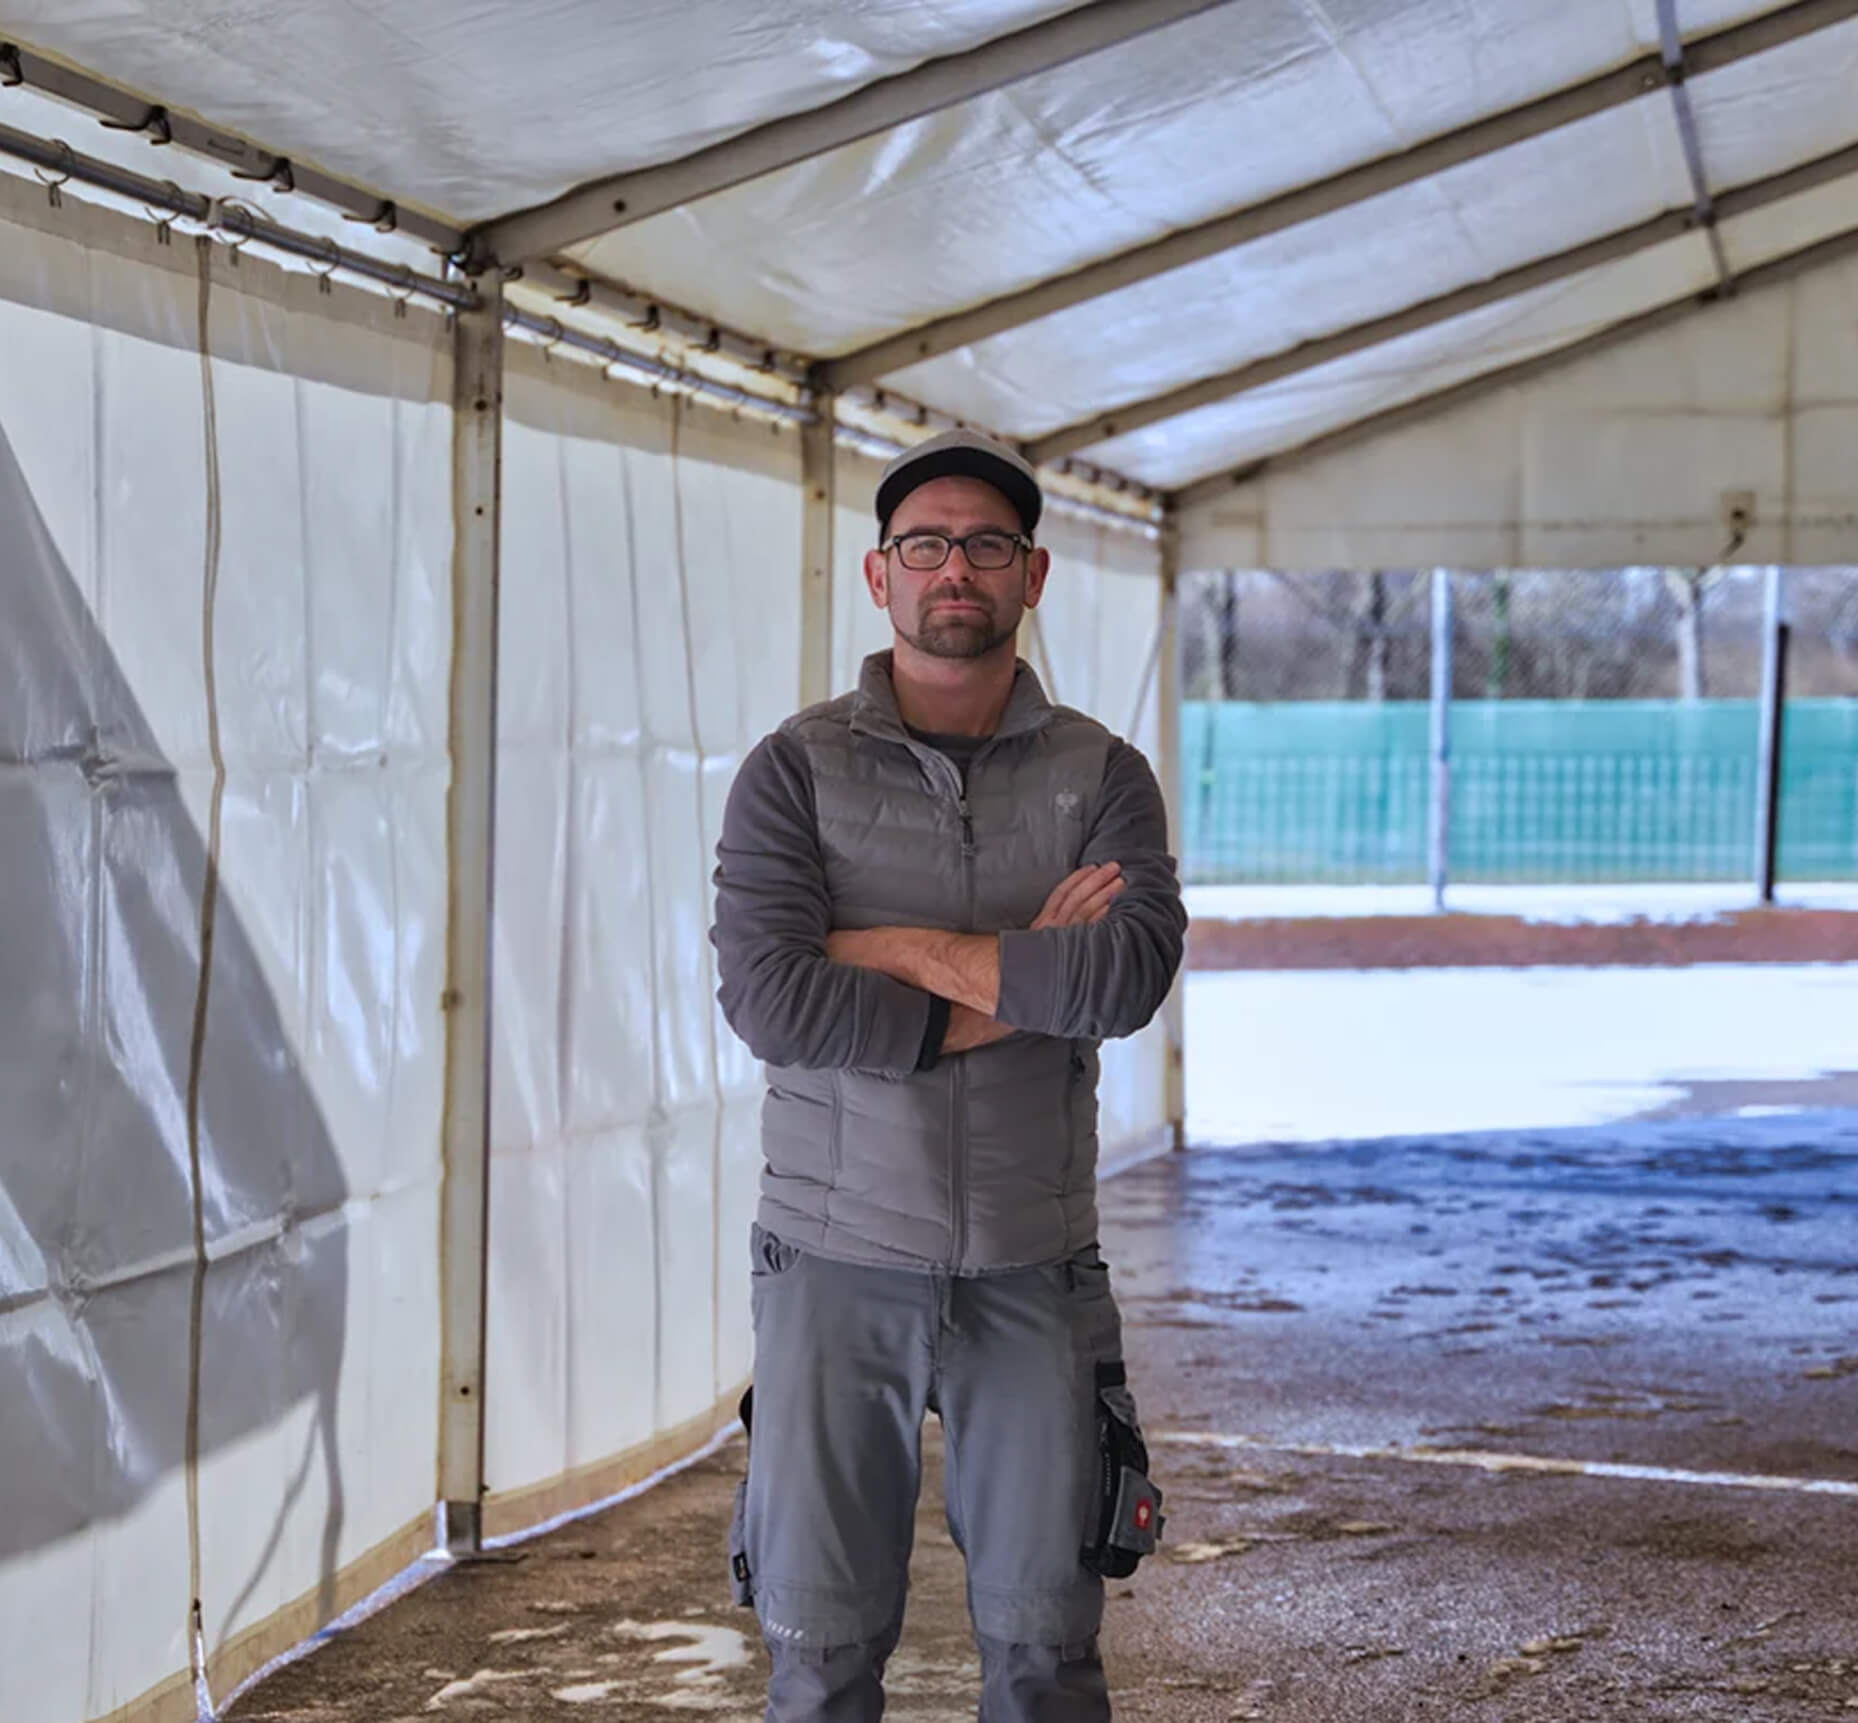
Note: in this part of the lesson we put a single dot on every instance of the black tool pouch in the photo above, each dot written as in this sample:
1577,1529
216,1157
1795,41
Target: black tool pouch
1129,1518
741,1581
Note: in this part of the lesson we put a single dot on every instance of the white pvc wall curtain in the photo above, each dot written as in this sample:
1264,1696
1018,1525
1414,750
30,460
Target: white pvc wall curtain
1097,636
292,495
650,637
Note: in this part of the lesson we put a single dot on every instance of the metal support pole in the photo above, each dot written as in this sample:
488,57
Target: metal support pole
1773,713
477,450
817,467
1168,769
1438,833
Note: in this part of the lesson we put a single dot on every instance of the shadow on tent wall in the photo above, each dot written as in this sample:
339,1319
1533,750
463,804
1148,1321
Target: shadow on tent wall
123,1350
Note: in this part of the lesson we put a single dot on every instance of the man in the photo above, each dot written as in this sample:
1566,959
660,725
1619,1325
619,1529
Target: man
935,896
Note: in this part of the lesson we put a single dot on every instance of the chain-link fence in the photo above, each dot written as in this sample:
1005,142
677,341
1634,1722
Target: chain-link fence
1604,725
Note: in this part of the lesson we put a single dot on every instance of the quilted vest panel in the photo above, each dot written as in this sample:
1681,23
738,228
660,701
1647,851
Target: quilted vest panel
988,1161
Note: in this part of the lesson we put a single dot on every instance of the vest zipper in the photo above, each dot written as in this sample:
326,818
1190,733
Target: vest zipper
958,1097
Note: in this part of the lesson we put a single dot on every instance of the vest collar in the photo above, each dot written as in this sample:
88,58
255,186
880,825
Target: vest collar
874,706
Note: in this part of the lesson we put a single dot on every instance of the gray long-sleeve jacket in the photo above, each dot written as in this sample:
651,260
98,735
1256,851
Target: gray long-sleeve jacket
877,1151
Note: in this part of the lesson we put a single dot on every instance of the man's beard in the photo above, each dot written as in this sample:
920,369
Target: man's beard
958,636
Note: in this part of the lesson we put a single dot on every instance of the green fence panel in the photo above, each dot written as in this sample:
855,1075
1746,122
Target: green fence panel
1541,790
1819,791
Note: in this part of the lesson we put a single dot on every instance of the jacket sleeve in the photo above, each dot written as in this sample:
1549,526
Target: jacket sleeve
1108,980
778,990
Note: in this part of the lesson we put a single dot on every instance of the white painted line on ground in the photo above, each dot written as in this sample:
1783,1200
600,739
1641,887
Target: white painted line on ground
1484,1460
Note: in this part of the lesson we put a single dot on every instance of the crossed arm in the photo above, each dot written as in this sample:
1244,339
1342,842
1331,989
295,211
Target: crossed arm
1096,962
964,968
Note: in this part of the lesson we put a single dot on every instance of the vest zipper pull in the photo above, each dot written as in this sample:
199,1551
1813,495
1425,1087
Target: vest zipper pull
967,828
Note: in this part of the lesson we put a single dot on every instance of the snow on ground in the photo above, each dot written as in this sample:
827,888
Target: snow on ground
1312,1056
1557,903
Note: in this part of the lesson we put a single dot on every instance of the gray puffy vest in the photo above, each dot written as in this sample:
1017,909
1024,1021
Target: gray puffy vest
989,1161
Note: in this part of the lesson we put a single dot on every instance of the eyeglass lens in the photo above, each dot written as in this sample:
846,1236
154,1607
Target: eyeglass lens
929,550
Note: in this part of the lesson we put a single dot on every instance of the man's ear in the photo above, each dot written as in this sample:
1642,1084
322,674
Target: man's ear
877,578
1038,566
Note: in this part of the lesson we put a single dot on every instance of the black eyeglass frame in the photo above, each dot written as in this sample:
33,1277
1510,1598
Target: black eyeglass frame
1022,543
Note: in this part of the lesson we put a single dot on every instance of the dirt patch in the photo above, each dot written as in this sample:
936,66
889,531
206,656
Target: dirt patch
1510,942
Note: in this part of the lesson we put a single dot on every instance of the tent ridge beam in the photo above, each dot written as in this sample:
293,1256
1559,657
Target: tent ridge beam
618,200
1355,185
1543,272
1790,266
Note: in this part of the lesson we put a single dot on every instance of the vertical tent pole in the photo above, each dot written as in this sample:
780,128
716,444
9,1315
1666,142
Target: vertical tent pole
1168,769
1773,713
1438,833
477,449
817,466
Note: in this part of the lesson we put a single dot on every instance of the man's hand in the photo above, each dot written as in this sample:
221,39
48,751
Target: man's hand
968,1029
1081,899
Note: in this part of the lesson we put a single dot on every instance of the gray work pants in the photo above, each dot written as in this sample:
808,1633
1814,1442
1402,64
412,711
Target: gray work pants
847,1361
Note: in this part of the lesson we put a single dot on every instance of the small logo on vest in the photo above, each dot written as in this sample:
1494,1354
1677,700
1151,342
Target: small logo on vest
1068,803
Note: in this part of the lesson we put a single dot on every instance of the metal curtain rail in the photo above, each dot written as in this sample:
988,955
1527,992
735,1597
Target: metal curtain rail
617,200
551,332
55,158
122,111
1342,191
221,215
1840,248
1326,349
58,162
571,288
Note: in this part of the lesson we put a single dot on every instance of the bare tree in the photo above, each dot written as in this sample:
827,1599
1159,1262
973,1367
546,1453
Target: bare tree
1689,587
1364,625
1503,640
1229,635
1371,637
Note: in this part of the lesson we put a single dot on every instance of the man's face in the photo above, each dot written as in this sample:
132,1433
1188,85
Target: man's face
955,611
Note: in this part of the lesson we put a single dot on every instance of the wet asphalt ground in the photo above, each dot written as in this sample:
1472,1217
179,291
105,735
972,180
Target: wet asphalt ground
1341,1352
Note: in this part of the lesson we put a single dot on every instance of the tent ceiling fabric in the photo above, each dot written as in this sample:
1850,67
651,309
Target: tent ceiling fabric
1215,114
478,109
1360,263
1283,415
488,109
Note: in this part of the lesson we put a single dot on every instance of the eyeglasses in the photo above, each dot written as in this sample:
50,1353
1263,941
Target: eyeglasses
990,548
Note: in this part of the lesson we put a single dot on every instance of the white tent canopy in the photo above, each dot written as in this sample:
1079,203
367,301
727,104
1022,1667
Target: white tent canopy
348,1178
477,117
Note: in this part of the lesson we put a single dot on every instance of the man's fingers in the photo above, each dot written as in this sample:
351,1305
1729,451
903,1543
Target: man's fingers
1089,879
1085,904
1095,905
1053,912
1061,907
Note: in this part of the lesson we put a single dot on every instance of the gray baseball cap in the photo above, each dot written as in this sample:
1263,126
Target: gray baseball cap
966,454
